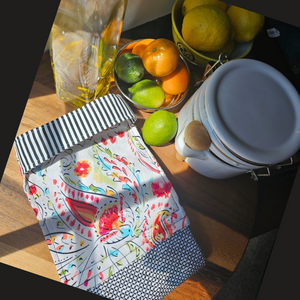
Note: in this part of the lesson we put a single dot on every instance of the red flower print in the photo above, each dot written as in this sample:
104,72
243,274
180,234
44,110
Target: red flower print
124,161
32,189
136,186
103,141
101,276
109,220
173,216
20,171
161,189
168,187
82,168
36,211
134,196
112,139
121,134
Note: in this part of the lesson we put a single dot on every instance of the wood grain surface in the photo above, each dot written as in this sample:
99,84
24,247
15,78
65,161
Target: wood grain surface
222,212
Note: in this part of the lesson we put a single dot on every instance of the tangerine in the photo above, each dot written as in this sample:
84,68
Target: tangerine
176,82
168,99
160,57
140,46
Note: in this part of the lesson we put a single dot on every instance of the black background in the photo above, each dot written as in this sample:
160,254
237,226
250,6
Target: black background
25,27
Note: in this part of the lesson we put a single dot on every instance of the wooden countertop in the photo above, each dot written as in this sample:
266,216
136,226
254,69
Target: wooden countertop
222,212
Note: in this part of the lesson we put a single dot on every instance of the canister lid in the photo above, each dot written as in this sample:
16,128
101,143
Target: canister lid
254,110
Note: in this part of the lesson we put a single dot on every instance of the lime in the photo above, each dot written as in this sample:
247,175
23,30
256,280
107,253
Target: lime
129,67
147,93
159,128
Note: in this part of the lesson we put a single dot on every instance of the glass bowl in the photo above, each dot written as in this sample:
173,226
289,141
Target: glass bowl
122,86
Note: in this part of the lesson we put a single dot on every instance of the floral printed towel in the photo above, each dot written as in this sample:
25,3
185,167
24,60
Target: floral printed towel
102,200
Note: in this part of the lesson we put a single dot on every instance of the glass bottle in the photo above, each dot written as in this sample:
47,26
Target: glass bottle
83,45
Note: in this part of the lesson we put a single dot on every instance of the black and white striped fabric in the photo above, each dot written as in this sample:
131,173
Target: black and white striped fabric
39,144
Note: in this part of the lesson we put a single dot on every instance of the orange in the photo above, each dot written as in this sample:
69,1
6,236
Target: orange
160,57
176,82
168,99
140,47
128,48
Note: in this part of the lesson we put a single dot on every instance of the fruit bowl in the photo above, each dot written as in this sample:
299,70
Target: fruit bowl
170,104
192,55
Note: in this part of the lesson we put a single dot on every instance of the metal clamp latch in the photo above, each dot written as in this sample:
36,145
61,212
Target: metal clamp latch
278,167
255,176
210,68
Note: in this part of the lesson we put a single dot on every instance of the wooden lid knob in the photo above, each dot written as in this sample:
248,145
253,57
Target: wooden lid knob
196,136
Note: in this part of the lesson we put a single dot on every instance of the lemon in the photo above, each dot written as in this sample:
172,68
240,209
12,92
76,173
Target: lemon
190,4
147,93
206,28
129,67
246,24
159,128
222,5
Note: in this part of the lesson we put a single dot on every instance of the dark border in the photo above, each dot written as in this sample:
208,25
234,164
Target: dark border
24,37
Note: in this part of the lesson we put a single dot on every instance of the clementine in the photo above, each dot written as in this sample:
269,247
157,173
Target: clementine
140,46
160,57
176,82
168,99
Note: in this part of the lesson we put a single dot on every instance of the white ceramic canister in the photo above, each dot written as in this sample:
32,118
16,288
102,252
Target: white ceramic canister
252,114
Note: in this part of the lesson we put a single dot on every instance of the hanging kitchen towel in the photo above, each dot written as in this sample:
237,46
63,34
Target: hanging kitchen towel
110,216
